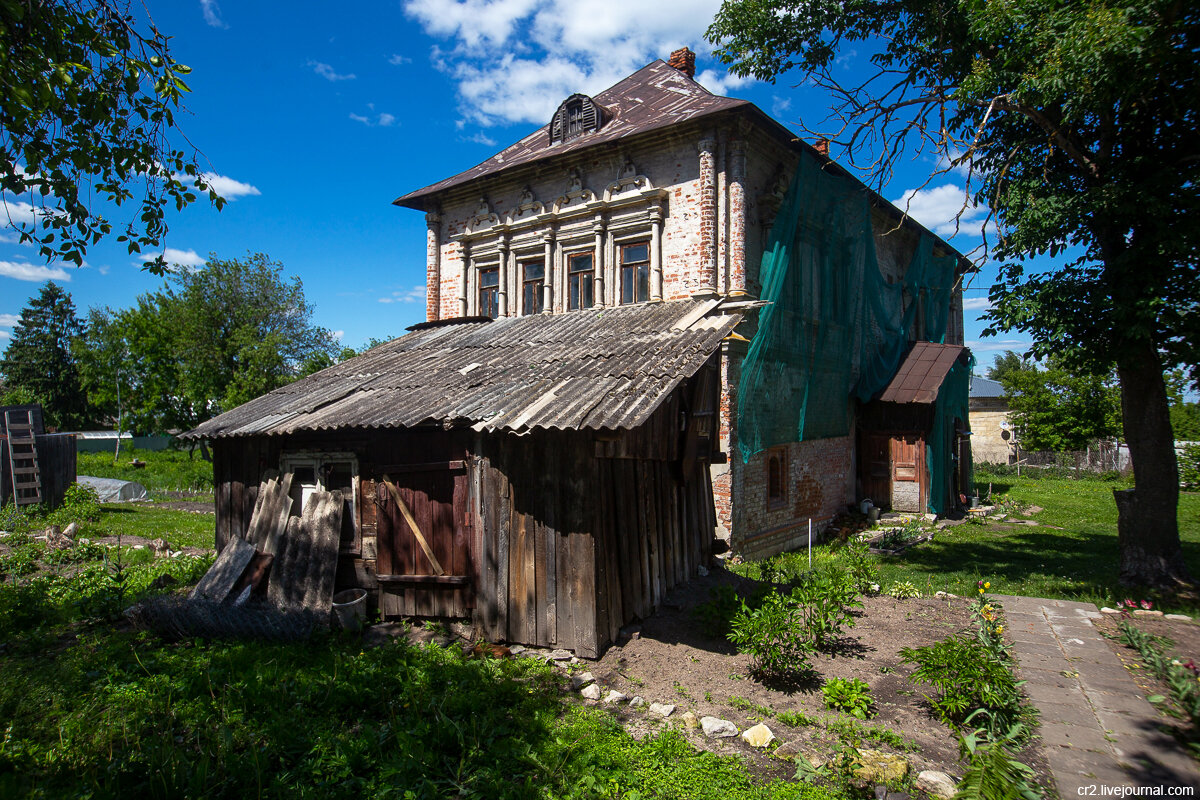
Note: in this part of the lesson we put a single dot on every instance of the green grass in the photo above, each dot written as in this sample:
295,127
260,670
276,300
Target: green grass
119,714
1078,562
165,470
179,528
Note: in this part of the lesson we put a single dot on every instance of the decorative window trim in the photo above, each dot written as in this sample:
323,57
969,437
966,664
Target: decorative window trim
777,467
575,116
539,285
587,278
493,290
636,268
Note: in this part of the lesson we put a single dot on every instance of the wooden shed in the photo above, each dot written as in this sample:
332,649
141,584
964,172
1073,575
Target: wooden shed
914,449
544,476
26,445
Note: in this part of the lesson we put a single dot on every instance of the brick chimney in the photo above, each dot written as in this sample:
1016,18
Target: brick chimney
683,60
822,146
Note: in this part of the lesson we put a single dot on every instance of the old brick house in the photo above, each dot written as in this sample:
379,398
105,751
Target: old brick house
554,448
655,190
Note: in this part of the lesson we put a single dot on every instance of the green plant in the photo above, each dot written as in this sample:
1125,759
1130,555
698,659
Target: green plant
774,634
1189,467
80,504
902,590
965,676
858,563
795,719
746,705
1182,678
849,695
994,773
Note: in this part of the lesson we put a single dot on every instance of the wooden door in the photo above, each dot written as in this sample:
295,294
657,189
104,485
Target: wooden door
909,484
876,469
424,563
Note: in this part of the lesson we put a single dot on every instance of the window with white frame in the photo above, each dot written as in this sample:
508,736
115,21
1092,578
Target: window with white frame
634,266
314,471
581,276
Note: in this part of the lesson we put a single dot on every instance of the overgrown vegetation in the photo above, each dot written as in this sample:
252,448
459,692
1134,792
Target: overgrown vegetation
163,470
850,695
1181,678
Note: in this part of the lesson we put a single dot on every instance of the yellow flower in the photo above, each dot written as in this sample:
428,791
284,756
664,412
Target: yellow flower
987,584
999,629
981,591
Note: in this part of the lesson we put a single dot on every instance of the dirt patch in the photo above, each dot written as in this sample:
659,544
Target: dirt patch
673,658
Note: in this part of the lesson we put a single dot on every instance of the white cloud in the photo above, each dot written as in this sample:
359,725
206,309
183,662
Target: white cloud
989,345
229,188
18,212
380,120
386,120
360,118
482,138
937,208
329,73
183,258
103,269
9,320
976,304
386,300
33,272
5,335
337,335
516,60
397,60
414,295
212,13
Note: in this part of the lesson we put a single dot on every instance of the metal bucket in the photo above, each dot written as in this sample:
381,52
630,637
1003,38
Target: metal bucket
350,609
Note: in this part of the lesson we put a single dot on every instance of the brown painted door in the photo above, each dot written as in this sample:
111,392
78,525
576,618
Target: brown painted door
877,469
436,502
909,484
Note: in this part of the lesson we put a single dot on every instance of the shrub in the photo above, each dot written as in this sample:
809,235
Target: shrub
902,590
856,559
1189,467
994,773
824,598
80,504
848,694
965,676
774,633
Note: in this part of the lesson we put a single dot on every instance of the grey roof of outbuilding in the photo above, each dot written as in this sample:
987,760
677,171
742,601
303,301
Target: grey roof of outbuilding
656,96
603,368
985,387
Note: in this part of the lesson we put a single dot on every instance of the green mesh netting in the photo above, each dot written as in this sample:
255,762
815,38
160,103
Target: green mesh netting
834,329
941,456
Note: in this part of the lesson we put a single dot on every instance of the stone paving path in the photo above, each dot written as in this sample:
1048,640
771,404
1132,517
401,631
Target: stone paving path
1097,728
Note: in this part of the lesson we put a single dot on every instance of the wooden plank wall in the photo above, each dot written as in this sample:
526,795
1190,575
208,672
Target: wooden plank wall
56,466
573,546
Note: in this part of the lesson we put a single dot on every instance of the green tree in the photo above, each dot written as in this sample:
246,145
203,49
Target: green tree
210,340
1007,364
40,362
1077,124
1055,409
88,95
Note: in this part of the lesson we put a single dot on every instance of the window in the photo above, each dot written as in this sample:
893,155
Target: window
489,292
581,275
635,272
533,279
325,472
577,115
777,470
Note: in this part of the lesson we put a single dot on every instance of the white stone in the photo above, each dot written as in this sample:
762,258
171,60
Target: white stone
582,679
560,655
1107,610
591,692
1180,617
662,709
637,701
702,571
716,728
758,736
614,696
688,719
1141,612
517,649
936,784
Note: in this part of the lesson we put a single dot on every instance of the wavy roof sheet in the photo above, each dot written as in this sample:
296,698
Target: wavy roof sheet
603,368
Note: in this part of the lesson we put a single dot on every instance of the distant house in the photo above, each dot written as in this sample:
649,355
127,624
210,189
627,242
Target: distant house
992,435
658,318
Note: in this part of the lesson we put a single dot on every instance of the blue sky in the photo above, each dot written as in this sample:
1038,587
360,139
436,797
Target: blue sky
313,120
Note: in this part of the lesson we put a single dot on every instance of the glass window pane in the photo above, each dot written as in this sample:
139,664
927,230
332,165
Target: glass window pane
489,277
534,270
581,262
632,253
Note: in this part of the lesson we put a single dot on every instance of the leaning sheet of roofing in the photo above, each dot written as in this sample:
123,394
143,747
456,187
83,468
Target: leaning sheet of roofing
605,368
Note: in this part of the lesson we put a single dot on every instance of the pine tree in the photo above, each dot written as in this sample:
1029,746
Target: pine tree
39,361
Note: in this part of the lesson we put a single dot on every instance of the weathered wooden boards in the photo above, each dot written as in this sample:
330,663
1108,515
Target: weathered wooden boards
272,508
306,559
218,582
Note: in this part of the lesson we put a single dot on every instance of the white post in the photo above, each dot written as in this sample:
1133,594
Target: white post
810,542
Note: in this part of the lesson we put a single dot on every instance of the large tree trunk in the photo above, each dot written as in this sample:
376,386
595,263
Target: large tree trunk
1147,515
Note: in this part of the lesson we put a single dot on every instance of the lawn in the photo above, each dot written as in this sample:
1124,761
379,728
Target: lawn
1071,554
164,470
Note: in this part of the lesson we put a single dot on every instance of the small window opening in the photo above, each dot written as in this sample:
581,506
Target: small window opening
581,274
534,279
489,292
635,273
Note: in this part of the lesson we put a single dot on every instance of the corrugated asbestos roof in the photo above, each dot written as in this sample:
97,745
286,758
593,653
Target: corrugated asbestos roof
656,96
921,373
603,368
985,387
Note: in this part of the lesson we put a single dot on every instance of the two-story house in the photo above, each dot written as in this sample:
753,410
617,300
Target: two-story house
659,318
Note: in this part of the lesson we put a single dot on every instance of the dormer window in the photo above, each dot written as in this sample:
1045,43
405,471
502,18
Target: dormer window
577,115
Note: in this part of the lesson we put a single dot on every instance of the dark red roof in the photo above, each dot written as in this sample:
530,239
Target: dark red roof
922,372
656,96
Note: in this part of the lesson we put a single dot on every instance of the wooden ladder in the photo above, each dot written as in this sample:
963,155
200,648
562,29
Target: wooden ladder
23,458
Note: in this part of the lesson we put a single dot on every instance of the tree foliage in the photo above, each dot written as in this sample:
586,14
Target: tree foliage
88,96
1058,410
211,339
40,364
1076,125
1006,363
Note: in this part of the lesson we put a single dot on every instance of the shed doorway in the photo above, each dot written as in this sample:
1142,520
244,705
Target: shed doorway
425,562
